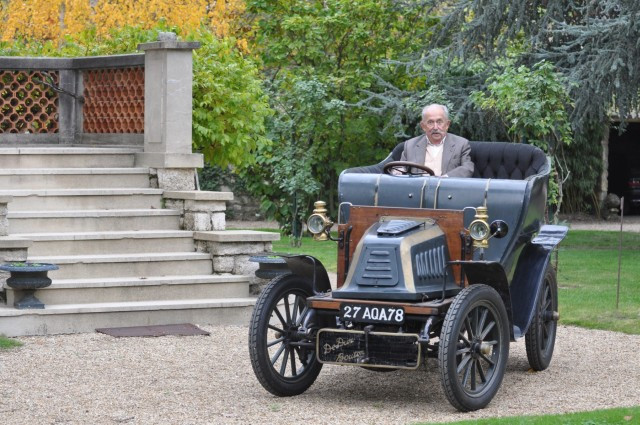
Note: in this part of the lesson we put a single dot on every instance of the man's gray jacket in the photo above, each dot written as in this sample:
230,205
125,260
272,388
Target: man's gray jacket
456,154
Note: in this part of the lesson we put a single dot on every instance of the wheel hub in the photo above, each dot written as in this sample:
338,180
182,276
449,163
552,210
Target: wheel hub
549,316
479,347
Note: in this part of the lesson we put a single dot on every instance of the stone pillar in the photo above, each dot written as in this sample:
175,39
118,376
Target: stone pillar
199,210
168,79
231,249
67,107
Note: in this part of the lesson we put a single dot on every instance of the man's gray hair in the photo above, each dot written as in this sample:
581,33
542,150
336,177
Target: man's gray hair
444,108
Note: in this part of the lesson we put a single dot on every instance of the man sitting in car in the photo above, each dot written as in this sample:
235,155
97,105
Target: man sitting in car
446,154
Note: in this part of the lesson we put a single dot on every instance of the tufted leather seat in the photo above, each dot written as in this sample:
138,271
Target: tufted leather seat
513,161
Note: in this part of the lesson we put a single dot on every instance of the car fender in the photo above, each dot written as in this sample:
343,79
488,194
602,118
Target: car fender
490,273
311,267
529,275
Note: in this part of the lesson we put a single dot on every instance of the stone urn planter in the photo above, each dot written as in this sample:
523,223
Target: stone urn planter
27,278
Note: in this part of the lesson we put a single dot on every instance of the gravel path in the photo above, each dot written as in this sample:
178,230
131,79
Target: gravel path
631,223
98,379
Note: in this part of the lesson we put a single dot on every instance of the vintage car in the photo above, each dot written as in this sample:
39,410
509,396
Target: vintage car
448,268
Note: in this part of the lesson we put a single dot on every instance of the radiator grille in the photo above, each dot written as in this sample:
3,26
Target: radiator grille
379,267
431,263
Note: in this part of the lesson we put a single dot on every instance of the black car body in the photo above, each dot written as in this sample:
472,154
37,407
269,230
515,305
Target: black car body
452,268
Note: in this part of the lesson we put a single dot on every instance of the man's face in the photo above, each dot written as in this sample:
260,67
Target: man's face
435,124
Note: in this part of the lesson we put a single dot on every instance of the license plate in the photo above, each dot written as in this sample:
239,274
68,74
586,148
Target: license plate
367,313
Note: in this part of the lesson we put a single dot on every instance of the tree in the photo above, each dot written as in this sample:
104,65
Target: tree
532,105
319,57
592,44
57,20
229,104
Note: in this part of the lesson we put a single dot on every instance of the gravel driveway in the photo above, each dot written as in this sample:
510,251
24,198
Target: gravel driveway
98,379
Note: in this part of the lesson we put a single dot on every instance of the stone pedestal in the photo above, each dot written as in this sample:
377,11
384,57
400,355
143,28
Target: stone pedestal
230,250
168,112
199,210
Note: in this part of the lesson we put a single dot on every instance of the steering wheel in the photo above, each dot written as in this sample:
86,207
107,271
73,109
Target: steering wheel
405,168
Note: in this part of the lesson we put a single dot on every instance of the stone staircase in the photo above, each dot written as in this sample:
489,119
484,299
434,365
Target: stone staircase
123,258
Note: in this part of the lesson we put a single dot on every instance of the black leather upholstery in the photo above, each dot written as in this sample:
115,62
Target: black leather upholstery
513,161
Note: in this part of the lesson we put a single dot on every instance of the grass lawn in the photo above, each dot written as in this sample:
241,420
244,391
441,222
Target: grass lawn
326,251
587,280
624,415
6,343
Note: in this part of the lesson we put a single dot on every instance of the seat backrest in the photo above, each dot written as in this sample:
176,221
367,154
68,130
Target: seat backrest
492,160
512,161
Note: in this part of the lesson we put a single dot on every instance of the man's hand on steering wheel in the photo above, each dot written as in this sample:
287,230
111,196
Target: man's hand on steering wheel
406,168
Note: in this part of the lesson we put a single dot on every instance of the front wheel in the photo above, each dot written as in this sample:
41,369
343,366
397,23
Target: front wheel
474,347
540,338
284,361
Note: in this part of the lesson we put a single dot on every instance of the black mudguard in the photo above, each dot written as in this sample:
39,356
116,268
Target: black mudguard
529,275
490,273
310,267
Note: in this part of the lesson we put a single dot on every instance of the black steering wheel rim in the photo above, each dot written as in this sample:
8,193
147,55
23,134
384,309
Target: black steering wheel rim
405,167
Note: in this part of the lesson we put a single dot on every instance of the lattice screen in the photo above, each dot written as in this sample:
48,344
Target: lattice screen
114,100
27,106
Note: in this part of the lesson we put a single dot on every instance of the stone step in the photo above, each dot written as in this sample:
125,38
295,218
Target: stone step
70,178
79,318
153,288
66,157
92,220
83,199
88,243
127,265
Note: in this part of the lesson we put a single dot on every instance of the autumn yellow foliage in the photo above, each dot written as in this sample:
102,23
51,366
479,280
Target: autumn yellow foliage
55,19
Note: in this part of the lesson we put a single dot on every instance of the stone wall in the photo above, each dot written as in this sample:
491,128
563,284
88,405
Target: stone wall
230,251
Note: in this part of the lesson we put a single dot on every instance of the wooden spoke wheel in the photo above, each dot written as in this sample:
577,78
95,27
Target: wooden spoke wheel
540,338
474,347
283,359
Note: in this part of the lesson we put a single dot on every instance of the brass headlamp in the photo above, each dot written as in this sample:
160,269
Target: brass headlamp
479,228
318,223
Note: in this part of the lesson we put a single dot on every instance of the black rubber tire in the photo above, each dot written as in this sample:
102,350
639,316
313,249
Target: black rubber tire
540,338
286,370
476,319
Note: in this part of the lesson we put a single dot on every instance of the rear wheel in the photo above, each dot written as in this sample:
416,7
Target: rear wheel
474,347
540,339
283,360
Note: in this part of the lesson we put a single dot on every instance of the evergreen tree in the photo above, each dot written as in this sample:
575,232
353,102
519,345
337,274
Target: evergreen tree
593,44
